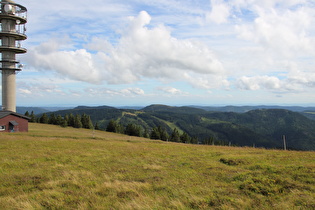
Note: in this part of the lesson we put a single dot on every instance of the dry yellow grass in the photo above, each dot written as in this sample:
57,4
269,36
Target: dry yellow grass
65,168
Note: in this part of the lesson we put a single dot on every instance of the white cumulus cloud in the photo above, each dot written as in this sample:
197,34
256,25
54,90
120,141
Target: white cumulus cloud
127,92
141,52
259,82
171,90
219,13
285,32
292,83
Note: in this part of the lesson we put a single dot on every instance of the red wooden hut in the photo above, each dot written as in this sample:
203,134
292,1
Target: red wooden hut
13,122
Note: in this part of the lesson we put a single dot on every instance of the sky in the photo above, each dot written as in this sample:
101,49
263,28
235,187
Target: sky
173,52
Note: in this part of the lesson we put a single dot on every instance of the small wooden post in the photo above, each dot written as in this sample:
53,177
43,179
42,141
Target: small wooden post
284,143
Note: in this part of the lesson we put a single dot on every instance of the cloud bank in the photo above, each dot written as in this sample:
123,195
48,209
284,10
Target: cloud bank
279,42
142,52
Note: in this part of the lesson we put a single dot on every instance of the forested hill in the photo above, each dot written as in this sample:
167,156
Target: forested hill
262,127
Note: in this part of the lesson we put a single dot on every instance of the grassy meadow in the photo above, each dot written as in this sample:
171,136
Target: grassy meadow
65,168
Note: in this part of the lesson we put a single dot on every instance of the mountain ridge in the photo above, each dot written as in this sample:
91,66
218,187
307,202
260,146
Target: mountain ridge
261,127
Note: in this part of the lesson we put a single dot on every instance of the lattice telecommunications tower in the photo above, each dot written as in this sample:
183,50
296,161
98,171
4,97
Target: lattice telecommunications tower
13,18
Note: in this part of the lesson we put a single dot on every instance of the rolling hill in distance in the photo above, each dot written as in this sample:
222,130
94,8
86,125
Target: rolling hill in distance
238,109
241,126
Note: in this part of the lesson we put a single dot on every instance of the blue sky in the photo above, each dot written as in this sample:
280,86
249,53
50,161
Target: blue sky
174,52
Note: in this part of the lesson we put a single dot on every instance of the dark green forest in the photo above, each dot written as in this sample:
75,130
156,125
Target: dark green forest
259,128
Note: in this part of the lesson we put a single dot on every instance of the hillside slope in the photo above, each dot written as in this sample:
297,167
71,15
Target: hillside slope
262,128
64,168
272,124
243,109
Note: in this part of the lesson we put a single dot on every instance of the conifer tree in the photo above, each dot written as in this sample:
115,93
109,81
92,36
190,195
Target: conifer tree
33,117
175,136
59,120
120,128
52,119
194,140
90,123
112,126
185,138
146,133
71,120
209,141
44,119
96,127
133,130
155,133
77,121
86,121
66,118
163,134
64,123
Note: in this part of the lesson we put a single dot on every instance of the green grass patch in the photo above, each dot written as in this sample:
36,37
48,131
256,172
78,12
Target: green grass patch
65,168
211,120
310,112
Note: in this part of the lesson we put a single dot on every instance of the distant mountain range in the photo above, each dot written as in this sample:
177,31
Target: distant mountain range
242,109
238,109
38,110
242,126
306,111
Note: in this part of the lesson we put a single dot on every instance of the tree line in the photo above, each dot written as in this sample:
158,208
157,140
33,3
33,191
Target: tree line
156,133
160,133
76,121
